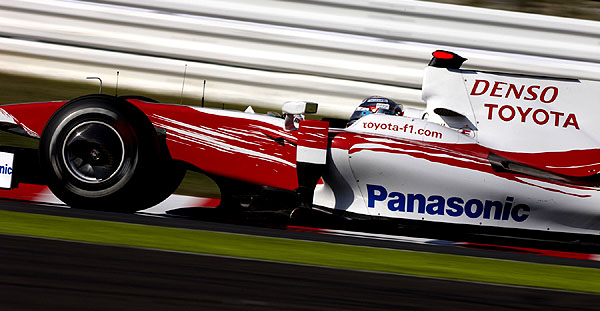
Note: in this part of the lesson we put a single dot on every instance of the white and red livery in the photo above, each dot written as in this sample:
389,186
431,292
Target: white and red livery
490,150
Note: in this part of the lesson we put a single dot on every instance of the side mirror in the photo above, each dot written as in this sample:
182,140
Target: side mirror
299,107
293,113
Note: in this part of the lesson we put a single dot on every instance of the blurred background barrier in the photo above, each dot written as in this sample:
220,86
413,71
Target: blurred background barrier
264,52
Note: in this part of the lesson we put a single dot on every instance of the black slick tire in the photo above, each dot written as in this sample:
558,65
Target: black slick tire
101,152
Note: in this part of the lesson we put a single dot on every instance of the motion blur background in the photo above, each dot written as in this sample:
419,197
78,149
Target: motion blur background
265,52
262,53
584,9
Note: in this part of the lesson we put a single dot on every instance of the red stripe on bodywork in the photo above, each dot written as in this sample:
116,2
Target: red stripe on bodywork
535,251
33,116
313,134
306,229
25,192
245,149
574,163
577,163
469,156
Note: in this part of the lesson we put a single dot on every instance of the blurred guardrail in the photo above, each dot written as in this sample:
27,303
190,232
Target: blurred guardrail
263,52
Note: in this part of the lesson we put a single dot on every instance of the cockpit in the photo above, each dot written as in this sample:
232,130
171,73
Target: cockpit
376,104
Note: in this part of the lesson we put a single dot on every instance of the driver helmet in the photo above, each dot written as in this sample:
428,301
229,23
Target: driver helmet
376,104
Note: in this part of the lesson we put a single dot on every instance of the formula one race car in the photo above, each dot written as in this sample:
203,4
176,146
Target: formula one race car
490,150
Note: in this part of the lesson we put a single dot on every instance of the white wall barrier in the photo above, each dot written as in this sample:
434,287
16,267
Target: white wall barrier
264,52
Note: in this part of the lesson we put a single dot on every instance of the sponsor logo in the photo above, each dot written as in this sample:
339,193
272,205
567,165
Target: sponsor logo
508,113
451,206
375,100
546,95
523,93
410,129
382,106
6,170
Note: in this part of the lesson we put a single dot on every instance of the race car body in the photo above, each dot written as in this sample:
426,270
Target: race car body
489,150
548,123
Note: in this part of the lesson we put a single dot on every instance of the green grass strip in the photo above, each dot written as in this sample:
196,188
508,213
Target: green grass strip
303,252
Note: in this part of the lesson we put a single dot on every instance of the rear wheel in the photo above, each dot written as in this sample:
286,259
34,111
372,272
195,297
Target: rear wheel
101,152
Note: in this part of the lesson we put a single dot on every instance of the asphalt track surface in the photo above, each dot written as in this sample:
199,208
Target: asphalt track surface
271,229
42,274
39,274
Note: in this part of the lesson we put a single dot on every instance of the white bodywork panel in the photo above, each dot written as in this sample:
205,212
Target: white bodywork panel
6,169
519,113
437,169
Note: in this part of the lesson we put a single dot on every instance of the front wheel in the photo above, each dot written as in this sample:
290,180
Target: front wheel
101,152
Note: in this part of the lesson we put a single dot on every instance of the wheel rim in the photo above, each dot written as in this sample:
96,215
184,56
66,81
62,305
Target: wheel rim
93,152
